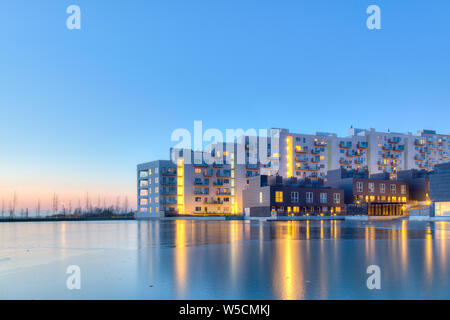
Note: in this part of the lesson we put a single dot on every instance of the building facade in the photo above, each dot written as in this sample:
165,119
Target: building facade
277,196
372,195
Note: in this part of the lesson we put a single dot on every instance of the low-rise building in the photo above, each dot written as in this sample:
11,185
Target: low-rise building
277,196
372,195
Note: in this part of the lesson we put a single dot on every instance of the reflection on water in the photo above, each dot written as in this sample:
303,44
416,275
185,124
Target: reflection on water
185,259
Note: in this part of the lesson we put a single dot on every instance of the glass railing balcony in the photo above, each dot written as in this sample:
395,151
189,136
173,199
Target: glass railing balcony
201,182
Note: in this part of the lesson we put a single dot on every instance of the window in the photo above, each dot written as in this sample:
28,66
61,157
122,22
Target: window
198,208
143,183
143,202
156,180
371,187
294,197
156,190
338,209
156,170
149,172
337,198
323,198
279,196
143,174
393,188
403,188
143,193
260,197
309,197
198,199
382,188
198,170
359,187
156,209
156,200
143,209
296,209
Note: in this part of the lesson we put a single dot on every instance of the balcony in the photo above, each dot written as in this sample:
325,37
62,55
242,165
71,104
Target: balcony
223,192
359,161
301,159
362,145
169,171
214,201
343,162
398,148
220,182
387,147
419,158
208,173
351,153
386,155
419,143
168,182
200,182
201,192
394,140
223,174
168,192
322,143
252,167
301,150
345,145
315,151
381,164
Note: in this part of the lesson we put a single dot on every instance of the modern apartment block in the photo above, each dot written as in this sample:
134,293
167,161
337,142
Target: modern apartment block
156,188
187,186
304,155
212,181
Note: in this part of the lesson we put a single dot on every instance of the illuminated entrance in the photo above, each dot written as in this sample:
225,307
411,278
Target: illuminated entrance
386,209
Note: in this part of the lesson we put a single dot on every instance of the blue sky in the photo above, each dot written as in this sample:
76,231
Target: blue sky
80,108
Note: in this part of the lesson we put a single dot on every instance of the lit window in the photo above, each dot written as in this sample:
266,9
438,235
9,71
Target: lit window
338,209
403,188
149,172
296,209
143,192
143,183
156,200
279,196
143,202
198,170
298,148
156,190
260,197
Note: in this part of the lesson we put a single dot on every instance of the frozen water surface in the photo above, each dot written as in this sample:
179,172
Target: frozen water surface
187,259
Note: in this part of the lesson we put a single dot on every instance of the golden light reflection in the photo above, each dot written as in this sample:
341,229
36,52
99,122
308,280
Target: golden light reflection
180,256
404,245
428,253
288,275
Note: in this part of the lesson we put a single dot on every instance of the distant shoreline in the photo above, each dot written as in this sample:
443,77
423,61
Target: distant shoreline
59,219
